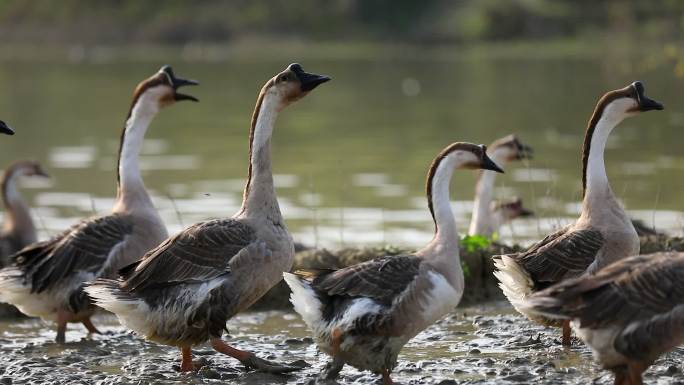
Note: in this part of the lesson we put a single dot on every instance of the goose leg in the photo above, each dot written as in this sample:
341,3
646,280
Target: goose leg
621,378
62,318
386,380
187,365
634,371
89,325
566,333
250,360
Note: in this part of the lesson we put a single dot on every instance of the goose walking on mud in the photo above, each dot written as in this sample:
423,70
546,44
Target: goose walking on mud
18,229
603,233
183,292
364,314
5,129
629,313
488,216
46,279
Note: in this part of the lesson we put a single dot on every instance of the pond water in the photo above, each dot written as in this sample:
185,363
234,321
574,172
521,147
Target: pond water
351,157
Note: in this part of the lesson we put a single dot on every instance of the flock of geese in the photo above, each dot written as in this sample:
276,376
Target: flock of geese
181,290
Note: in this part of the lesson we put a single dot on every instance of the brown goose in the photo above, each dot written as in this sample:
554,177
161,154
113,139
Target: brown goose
18,229
629,313
5,129
183,292
502,151
602,234
364,314
46,278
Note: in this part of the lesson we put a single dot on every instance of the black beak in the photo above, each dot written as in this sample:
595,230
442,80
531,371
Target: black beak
488,163
645,103
525,213
308,81
5,129
40,171
177,83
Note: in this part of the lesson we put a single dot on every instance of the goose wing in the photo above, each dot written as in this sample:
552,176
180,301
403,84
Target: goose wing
201,252
382,279
564,252
635,288
85,247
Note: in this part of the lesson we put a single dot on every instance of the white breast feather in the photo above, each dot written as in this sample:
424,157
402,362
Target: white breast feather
441,299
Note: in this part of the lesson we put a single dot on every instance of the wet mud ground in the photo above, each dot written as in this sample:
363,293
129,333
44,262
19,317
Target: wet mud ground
474,345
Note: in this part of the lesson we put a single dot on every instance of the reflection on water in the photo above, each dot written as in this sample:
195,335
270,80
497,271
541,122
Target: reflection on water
351,158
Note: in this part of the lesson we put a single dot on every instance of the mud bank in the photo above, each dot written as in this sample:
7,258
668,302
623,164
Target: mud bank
488,344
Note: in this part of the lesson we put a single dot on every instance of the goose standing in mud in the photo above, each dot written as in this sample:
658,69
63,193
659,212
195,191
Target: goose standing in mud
18,229
183,292
5,129
364,314
485,220
46,279
602,234
629,313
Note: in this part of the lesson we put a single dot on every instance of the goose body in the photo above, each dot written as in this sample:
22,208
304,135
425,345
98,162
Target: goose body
602,234
364,314
488,217
183,292
629,313
46,279
18,229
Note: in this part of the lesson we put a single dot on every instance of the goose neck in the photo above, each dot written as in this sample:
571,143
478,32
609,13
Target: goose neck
596,185
18,220
440,205
259,195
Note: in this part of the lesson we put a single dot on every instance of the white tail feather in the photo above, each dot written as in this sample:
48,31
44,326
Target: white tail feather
304,299
515,283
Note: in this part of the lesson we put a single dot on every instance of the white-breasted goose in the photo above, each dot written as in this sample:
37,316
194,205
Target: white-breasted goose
602,234
363,315
504,212
18,229
5,129
46,279
183,292
629,313
502,151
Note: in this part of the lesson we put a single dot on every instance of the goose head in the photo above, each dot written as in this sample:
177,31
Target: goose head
511,209
509,148
26,168
291,85
625,102
5,129
161,89
469,156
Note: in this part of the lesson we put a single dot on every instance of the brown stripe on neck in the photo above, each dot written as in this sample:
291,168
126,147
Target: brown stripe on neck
252,128
591,127
140,89
433,170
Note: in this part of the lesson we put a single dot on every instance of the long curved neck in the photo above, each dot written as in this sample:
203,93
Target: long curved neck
18,222
259,196
596,188
481,221
131,192
440,206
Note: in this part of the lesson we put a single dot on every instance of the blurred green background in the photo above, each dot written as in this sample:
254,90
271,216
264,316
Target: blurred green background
409,77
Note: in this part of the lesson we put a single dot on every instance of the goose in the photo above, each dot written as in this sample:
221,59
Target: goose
504,212
18,229
502,151
5,129
46,279
602,234
184,291
629,312
362,315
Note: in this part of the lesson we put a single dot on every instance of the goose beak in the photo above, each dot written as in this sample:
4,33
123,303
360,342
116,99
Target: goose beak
645,103
488,164
40,171
308,81
524,213
177,83
525,152
5,129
